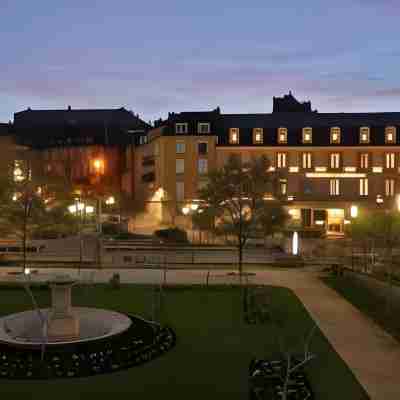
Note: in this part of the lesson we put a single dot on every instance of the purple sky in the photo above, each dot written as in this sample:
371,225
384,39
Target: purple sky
185,55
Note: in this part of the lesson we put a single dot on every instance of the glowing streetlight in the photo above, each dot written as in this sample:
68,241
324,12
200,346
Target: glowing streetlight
110,201
353,211
185,210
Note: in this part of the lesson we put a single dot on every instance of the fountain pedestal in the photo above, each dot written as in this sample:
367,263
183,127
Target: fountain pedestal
63,324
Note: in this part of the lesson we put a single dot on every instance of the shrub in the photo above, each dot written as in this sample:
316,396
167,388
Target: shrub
115,281
172,235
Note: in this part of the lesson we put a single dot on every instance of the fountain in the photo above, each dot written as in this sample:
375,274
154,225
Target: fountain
82,340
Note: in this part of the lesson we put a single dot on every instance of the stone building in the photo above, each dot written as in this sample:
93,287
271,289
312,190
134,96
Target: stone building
331,165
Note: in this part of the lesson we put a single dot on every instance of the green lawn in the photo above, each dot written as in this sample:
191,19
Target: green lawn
212,354
368,301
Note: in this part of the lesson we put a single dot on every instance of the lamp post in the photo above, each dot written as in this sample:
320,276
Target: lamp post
191,210
353,216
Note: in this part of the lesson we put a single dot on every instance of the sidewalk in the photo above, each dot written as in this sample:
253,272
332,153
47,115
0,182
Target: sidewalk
372,355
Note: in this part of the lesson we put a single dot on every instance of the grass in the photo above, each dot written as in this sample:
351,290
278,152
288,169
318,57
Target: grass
213,351
368,301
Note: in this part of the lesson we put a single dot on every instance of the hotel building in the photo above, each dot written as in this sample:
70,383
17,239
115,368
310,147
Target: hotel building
331,165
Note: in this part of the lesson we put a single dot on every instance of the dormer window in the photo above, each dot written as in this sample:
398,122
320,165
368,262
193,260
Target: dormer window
258,135
364,135
282,135
181,128
390,134
203,128
234,135
335,135
307,135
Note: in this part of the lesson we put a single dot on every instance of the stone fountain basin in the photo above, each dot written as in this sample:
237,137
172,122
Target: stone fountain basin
24,328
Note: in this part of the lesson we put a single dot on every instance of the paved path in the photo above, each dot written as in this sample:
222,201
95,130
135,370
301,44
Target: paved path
372,355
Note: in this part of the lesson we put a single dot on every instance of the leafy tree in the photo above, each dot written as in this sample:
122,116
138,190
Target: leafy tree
233,202
33,204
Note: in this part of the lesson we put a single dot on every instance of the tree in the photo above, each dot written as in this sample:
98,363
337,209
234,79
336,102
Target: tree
31,204
233,202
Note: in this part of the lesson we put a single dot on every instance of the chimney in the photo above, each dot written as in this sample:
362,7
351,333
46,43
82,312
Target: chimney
69,108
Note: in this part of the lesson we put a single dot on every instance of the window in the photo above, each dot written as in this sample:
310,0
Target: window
390,134
307,160
389,187
257,135
364,160
390,160
180,147
283,186
334,187
180,165
307,187
335,160
306,217
203,128
307,135
335,135
282,135
234,135
364,135
181,128
364,187
281,160
180,191
202,166
202,148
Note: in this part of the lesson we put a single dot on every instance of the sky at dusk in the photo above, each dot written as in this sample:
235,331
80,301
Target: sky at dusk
154,57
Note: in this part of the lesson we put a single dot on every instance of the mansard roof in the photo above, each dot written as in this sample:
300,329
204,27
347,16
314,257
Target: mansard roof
321,123
5,129
107,126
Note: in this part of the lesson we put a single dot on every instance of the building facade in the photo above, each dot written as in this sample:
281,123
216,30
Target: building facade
331,166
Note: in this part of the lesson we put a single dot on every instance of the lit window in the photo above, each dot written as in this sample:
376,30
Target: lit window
334,187
390,134
282,135
307,135
364,160
257,135
335,135
364,134
307,160
364,187
181,128
180,191
389,187
283,186
180,165
335,160
390,160
202,148
281,160
202,166
180,147
234,135
203,128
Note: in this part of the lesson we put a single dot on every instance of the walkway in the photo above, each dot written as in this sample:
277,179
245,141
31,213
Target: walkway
372,355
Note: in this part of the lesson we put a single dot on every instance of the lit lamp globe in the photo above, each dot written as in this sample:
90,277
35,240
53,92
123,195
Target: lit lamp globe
185,210
194,206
